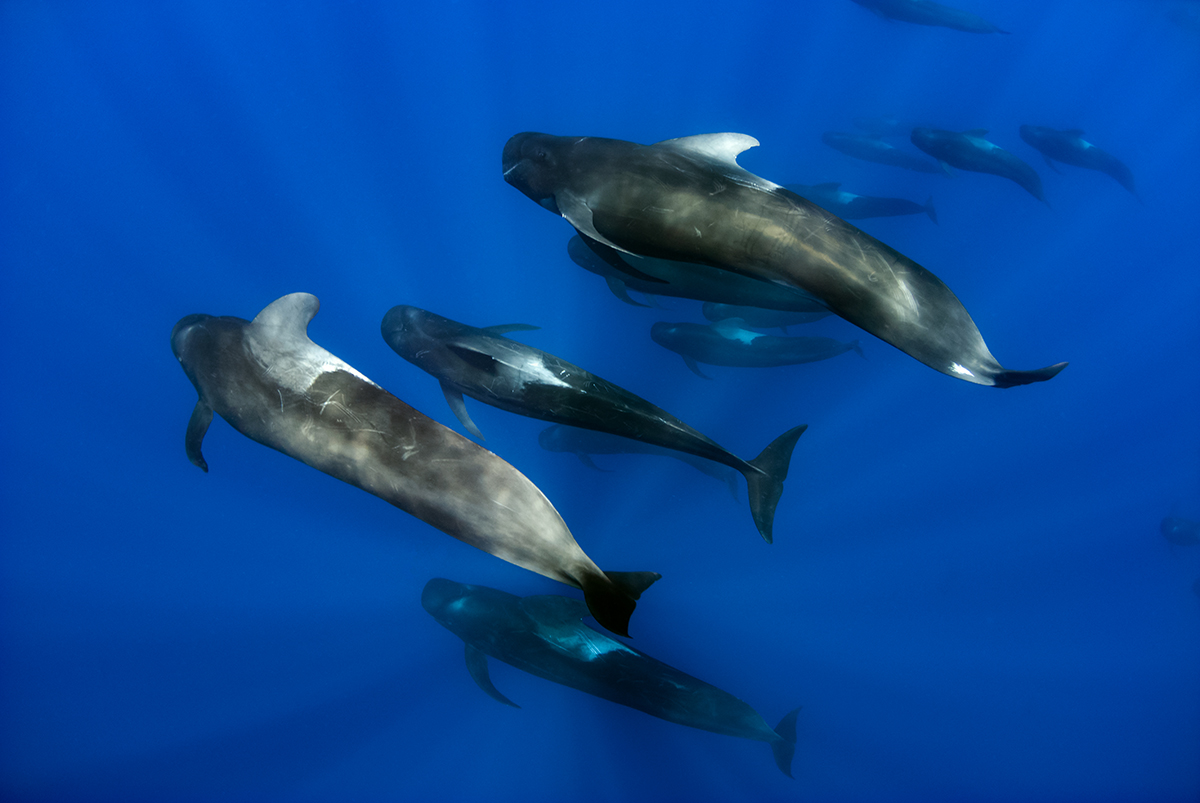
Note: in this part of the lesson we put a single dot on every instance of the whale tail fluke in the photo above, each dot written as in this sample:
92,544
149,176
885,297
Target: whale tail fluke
764,479
785,748
1009,379
612,598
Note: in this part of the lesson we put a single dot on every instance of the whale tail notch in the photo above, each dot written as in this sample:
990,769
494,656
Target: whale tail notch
764,479
611,600
1010,379
785,748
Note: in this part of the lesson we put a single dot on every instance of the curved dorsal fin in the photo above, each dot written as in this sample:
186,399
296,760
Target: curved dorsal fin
723,147
293,311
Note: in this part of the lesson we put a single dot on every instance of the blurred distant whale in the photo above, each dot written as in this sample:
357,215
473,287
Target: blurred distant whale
728,343
543,635
1069,147
275,386
970,151
849,206
874,149
1180,531
663,277
757,318
926,12
583,443
531,382
688,200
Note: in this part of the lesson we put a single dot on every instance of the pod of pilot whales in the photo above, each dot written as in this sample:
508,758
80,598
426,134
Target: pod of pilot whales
679,217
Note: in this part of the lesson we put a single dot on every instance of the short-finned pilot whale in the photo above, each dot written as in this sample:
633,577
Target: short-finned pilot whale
969,150
688,200
1069,147
276,386
729,343
543,635
848,206
875,149
662,277
531,382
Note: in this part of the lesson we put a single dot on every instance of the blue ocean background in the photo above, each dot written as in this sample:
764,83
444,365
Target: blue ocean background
968,591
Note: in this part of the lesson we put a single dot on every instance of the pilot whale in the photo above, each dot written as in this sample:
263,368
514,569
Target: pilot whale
688,200
1069,147
530,382
543,635
729,343
662,277
969,150
279,388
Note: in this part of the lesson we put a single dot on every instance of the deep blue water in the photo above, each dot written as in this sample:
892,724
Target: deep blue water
968,592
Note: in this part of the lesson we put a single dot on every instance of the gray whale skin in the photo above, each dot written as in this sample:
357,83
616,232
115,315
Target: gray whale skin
277,387
688,200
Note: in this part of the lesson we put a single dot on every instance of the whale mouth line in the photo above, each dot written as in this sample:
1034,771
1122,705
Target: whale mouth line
509,170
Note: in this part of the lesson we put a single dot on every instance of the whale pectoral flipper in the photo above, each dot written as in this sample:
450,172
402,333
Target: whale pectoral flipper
459,408
786,747
695,369
478,667
618,289
202,416
587,460
1009,379
765,484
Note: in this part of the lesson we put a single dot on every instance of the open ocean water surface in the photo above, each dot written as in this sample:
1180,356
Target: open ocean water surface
968,591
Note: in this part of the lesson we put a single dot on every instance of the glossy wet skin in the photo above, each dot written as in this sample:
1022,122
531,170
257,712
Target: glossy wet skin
687,200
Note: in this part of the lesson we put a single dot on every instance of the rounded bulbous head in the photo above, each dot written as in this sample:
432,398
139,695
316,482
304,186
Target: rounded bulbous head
185,333
441,597
531,164
413,332
664,334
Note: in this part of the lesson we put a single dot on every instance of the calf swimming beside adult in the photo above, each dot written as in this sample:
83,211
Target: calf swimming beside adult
275,386
688,200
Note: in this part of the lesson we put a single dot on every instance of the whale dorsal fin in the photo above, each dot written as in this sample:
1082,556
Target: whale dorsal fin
721,151
977,132
723,147
551,609
289,314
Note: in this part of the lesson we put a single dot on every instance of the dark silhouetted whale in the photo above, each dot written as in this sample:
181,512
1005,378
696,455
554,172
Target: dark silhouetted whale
1069,147
528,381
662,277
849,206
688,200
757,318
874,149
970,151
275,386
543,635
729,343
